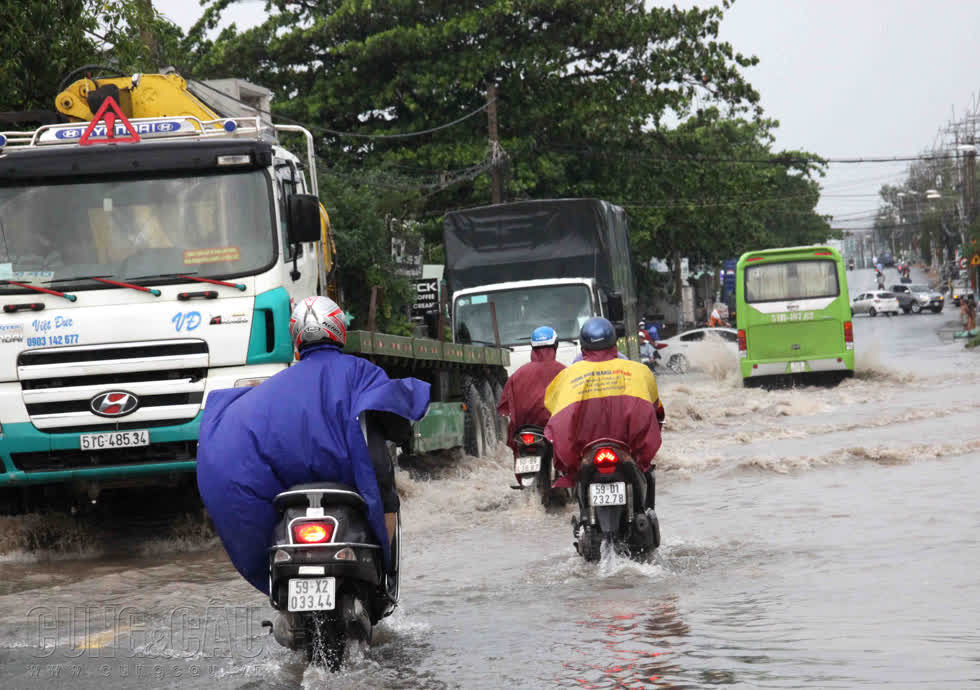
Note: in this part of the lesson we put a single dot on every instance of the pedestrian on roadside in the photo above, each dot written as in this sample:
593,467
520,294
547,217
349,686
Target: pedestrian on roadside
971,313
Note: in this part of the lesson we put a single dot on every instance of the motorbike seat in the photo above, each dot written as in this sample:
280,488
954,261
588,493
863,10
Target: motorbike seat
299,496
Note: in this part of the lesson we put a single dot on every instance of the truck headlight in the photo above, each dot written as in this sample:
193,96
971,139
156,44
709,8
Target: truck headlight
248,383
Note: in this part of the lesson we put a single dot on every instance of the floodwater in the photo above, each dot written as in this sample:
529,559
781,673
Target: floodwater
813,537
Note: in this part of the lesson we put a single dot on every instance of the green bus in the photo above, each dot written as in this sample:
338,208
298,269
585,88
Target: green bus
793,314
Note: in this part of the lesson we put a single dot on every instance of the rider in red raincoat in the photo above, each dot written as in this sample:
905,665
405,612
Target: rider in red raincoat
523,397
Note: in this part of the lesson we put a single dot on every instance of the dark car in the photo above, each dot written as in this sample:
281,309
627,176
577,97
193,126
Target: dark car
886,259
904,295
916,298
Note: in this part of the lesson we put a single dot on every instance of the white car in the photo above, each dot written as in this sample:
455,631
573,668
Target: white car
875,302
697,347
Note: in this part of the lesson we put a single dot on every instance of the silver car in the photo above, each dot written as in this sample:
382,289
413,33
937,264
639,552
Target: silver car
875,302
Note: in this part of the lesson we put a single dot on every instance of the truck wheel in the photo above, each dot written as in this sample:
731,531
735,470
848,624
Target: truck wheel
498,390
916,308
474,435
490,407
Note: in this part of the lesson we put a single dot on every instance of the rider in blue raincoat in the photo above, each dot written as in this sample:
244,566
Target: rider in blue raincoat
302,425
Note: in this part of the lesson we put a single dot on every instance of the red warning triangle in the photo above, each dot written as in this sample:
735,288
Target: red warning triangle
109,120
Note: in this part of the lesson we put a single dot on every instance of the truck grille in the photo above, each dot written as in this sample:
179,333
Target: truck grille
167,377
73,459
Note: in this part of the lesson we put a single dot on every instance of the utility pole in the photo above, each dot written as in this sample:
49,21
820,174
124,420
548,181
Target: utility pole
496,153
970,185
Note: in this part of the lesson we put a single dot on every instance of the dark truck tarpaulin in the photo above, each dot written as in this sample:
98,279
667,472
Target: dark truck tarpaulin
544,239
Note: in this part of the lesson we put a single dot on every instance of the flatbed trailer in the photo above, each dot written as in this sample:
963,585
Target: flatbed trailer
466,383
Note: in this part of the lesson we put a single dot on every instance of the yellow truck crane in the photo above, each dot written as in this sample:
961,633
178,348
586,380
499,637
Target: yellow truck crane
151,249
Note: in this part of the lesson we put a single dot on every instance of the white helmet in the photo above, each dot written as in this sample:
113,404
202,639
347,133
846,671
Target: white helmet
316,320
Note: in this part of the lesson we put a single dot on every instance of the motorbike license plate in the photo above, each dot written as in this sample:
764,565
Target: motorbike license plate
527,464
797,367
612,494
312,594
114,439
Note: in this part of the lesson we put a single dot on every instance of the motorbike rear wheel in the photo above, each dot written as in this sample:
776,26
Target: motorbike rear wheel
326,641
589,543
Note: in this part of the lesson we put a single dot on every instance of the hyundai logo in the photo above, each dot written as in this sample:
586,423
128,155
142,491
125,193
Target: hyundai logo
114,404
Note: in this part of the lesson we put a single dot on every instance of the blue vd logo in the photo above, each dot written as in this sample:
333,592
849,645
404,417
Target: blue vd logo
186,321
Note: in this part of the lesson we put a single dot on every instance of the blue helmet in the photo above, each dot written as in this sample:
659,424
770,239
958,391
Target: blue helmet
544,336
597,334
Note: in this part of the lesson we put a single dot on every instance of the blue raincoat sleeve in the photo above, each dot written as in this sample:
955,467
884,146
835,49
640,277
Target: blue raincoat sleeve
299,426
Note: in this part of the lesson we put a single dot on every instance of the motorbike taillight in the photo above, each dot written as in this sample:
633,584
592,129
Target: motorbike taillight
313,532
605,460
529,439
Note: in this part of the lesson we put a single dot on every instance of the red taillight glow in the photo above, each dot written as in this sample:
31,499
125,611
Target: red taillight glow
528,439
755,258
848,332
606,460
822,254
313,532
741,340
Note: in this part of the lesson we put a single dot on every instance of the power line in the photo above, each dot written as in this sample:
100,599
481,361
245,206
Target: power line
337,133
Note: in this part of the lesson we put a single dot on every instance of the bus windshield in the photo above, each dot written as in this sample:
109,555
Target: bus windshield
520,310
791,280
127,227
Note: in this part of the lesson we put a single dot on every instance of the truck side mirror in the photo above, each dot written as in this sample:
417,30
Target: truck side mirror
303,218
614,306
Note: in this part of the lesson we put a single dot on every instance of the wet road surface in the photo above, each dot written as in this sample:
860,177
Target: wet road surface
813,537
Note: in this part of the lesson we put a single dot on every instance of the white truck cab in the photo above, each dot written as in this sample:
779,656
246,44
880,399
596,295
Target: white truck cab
137,277
519,307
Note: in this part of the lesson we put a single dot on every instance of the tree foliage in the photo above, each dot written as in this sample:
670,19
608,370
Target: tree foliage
44,40
589,96
643,106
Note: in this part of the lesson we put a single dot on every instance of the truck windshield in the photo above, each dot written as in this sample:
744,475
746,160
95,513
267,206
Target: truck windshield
210,225
519,311
791,280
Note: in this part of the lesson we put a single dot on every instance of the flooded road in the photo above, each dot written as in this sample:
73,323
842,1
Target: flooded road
816,537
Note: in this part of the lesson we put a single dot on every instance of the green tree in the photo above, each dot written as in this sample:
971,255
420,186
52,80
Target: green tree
585,89
44,40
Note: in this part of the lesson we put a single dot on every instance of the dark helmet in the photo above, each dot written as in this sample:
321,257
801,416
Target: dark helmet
597,334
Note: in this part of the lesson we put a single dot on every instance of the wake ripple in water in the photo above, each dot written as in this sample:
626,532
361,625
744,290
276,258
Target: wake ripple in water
882,455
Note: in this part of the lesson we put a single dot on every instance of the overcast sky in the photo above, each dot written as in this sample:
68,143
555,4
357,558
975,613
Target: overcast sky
844,78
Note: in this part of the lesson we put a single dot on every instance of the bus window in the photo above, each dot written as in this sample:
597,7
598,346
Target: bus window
791,280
